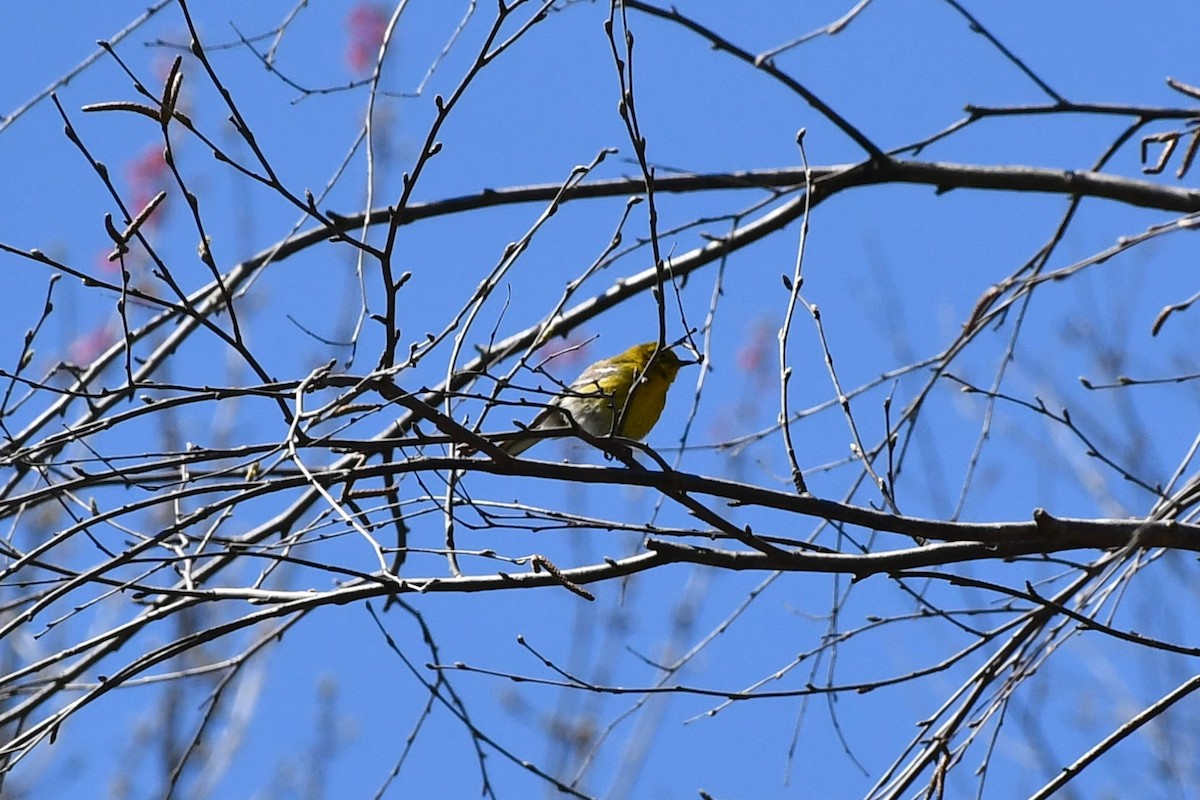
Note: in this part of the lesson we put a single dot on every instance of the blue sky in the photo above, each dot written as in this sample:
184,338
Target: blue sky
896,271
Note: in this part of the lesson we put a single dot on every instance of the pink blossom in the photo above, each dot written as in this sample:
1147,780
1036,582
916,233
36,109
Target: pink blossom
367,23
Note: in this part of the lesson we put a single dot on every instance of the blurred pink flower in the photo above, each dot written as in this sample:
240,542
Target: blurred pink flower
367,23
754,354
147,176
104,266
573,354
84,349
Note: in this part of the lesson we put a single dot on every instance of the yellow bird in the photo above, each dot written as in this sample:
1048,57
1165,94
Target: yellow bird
599,400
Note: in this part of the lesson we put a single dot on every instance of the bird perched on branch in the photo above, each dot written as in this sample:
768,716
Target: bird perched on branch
623,395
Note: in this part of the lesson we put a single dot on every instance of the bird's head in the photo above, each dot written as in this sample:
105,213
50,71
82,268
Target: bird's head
666,363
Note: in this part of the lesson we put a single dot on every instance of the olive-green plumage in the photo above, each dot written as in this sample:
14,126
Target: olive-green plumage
599,399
